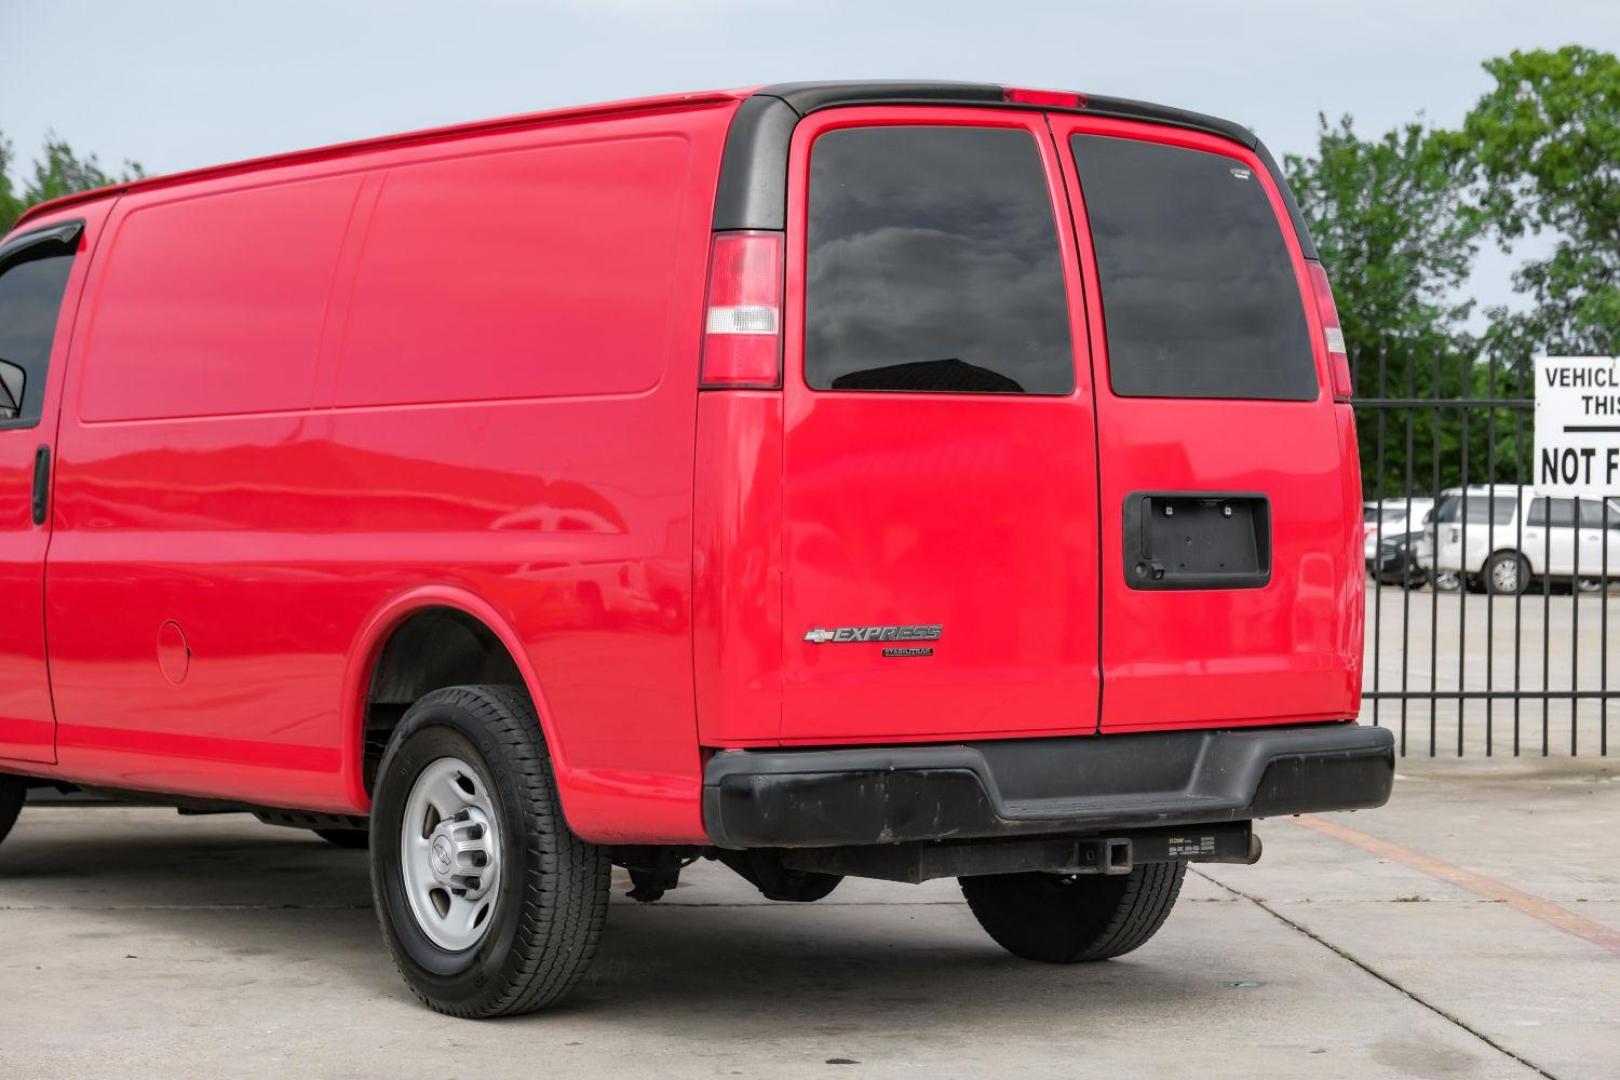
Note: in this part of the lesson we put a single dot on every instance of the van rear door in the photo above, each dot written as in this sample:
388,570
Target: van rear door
940,479
1230,545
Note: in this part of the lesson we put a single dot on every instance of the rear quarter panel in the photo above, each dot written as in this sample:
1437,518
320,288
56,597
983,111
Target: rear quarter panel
500,406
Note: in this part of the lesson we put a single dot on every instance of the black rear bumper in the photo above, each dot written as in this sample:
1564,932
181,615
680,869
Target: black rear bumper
1031,787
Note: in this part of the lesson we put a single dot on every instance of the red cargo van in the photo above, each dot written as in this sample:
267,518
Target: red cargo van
900,480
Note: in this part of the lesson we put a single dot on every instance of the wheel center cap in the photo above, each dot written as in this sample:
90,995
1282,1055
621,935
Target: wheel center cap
443,855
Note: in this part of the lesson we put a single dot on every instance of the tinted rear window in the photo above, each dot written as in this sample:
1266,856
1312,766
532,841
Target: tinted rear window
933,264
1198,293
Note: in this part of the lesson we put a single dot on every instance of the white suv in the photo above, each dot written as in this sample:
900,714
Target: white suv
1559,537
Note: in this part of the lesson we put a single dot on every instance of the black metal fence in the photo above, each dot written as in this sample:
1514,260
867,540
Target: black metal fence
1449,669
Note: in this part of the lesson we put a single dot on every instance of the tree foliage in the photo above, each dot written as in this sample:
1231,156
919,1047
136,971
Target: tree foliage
1546,142
57,172
1398,219
1397,231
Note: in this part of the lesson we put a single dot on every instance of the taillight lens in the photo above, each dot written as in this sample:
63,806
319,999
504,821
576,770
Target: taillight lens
742,330
1332,333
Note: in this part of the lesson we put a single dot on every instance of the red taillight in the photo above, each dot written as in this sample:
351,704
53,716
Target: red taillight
742,327
1332,334
1050,99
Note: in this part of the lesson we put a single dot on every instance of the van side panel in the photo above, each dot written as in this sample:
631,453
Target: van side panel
240,276
446,306
1352,585
504,407
565,274
184,590
737,567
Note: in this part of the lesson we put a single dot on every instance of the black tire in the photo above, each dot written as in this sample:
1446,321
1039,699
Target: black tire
1064,919
551,900
352,839
1497,566
12,793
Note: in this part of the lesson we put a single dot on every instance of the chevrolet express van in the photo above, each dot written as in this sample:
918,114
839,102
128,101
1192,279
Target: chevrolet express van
899,480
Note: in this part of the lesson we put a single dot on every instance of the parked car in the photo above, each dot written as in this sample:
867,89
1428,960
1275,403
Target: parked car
1389,518
748,476
1499,538
1403,560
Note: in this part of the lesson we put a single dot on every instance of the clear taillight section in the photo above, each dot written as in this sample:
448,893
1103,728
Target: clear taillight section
742,327
1332,333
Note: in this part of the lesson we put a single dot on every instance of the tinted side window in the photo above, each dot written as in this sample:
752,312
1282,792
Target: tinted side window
1561,514
1480,509
1591,511
1199,296
933,264
30,300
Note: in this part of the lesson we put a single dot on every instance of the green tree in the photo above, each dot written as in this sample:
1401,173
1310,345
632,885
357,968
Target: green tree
11,204
1397,232
59,171
1546,140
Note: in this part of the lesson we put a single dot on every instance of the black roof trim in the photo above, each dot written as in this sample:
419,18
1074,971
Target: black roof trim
753,166
808,97
753,172
1129,109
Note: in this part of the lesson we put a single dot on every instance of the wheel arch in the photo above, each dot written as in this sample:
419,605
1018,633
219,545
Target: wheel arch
383,629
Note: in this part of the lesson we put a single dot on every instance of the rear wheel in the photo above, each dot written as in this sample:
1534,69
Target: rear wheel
1065,918
1507,574
490,906
12,792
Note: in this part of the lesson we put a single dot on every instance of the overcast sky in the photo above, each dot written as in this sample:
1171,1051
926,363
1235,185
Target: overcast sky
181,83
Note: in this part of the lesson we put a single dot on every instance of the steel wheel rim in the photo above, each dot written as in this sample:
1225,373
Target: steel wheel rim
1505,575
450,854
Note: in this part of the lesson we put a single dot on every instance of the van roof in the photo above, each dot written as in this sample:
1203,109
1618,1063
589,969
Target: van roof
802,98
409,138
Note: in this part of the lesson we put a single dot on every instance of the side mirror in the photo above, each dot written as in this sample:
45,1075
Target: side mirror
12,381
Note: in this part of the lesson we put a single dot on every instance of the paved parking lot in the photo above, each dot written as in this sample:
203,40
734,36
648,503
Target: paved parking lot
1470,929
1494,643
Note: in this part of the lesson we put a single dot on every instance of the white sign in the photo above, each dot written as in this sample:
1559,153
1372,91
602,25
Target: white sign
1577,425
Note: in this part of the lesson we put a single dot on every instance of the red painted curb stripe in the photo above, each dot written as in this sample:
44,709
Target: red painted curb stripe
1555,915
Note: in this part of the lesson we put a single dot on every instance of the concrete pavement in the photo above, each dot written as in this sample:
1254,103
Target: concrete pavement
136,942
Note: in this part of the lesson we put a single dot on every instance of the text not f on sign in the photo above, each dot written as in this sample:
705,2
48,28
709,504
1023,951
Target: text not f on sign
1577,446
